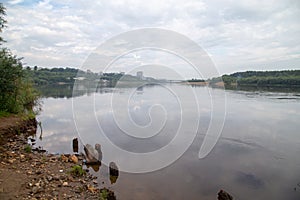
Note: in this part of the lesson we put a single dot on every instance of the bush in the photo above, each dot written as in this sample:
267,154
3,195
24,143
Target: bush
17,92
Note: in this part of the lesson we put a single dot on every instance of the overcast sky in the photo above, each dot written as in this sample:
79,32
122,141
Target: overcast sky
238,35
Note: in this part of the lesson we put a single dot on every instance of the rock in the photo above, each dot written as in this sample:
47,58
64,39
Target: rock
55,193
113,172
49,178
93,154
61,171
222,195
92,189
65,184
35,190
64,158
56,177
74,159
38,172
11,161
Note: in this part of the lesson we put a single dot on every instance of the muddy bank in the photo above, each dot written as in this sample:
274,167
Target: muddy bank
13,126
29,174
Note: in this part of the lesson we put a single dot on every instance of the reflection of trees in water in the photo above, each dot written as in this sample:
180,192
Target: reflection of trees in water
56,91
80,88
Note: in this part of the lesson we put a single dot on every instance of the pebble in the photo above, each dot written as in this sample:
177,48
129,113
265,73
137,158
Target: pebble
74,159
35,190
49,178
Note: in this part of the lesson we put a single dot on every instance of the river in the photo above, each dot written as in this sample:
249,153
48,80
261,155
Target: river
257,155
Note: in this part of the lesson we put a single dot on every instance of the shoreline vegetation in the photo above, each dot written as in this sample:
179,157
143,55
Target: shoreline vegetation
42,77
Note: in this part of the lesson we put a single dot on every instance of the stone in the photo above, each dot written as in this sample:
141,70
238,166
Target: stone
38,172
92,189
35,190
222,195
65,184
64,158
74,159
93,155
113,169
49,178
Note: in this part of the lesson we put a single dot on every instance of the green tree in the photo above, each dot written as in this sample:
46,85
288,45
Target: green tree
16,92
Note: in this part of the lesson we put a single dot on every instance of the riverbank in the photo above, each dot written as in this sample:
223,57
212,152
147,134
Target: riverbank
27,173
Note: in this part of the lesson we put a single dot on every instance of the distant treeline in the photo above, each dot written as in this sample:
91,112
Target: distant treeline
46,76
286,78
195,80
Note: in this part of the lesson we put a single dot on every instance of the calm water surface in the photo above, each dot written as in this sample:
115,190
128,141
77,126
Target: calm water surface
256,157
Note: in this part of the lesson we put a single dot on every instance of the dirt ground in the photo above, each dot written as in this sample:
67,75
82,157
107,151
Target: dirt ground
26,173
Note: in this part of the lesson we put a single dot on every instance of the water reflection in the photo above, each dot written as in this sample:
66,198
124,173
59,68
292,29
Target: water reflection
257,156
249,180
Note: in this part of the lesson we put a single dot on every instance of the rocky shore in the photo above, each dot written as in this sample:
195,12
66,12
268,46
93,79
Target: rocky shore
27,173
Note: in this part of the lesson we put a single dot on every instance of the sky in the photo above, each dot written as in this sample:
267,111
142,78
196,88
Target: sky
237,35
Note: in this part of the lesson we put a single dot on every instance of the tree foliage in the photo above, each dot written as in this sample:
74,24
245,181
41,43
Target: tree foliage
284,78
16,92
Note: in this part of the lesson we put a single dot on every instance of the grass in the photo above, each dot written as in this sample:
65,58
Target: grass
104,194
77,170
4,114
27,148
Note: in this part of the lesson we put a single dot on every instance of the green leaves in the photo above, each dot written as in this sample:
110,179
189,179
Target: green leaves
16,91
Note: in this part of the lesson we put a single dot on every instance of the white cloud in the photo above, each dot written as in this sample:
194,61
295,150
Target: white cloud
13,2
237,34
